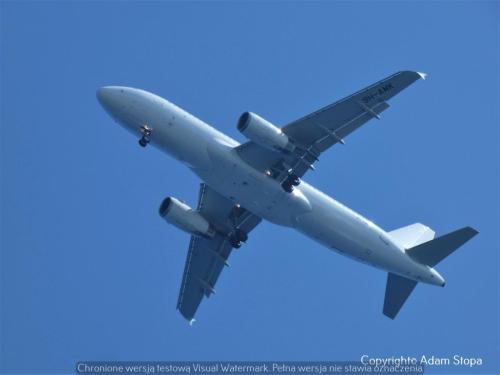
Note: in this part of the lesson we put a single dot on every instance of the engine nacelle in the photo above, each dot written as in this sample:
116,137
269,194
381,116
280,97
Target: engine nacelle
263,132
185,218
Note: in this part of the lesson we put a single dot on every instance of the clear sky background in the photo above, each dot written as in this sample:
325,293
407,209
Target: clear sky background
91,272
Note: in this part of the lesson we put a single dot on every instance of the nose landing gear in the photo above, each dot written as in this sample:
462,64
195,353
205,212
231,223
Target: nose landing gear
146,132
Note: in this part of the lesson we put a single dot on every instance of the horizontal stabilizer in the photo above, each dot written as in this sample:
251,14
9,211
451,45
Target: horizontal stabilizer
434,251
412,235
397,292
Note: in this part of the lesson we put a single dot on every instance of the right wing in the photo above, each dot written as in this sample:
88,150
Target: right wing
318,131
208,256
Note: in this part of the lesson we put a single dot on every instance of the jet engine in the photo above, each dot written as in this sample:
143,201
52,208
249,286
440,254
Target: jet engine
185,218
263,132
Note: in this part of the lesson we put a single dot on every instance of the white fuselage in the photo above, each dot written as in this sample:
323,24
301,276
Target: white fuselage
212,156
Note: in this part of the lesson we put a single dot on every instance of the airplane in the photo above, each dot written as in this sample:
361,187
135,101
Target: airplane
263,179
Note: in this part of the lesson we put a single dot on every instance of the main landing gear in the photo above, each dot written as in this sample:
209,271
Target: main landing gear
146,132
289,182
236,237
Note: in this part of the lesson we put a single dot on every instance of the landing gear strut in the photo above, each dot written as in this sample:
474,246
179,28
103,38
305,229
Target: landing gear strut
146,132
289,182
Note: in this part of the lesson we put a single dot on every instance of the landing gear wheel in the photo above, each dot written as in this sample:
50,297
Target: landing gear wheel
146,132
235,243
289,182
287,186
241,235
294,179
237,237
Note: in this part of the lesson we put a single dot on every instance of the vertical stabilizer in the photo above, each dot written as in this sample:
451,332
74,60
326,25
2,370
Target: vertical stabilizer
412,235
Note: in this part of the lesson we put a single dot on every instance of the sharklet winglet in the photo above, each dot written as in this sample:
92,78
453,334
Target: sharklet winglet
422,75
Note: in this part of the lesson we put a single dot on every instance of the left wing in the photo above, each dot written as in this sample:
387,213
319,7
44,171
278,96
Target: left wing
318,131
207,257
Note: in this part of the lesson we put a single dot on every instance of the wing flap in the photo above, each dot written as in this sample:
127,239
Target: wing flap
332,137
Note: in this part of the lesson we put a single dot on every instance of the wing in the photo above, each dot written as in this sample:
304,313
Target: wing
318,131
207,257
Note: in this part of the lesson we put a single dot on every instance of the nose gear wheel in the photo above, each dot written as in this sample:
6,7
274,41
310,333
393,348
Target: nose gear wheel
146,132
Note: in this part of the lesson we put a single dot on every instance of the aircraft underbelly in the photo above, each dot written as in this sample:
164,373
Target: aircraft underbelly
306,209
258,193
343,230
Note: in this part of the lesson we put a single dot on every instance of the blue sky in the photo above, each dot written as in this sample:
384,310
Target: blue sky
90,271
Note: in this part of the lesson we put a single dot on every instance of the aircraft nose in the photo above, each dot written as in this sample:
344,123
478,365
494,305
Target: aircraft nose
123,104
106,96
114,100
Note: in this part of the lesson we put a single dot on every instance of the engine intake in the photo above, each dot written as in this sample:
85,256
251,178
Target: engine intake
263,132
185,218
